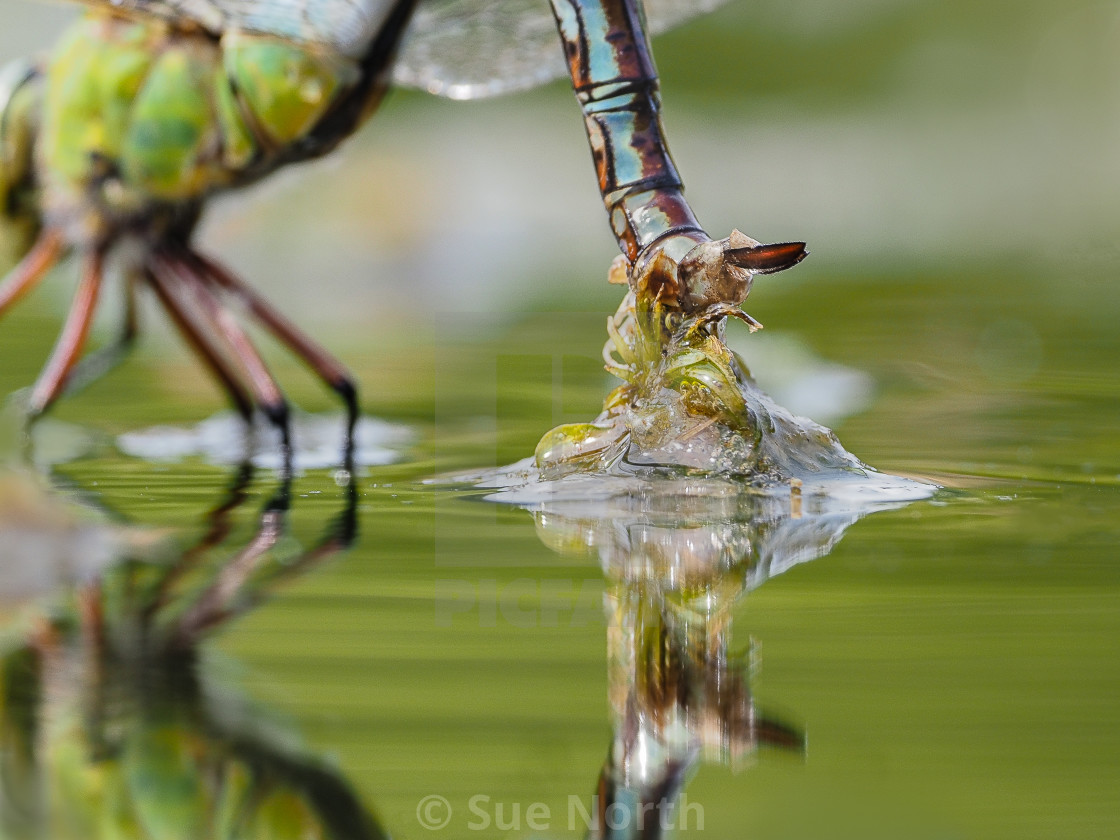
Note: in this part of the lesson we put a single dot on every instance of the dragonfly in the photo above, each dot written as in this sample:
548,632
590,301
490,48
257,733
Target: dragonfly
112,147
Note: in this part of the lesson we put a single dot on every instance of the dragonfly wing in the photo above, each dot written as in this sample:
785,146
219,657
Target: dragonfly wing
343,25
664,15
470,49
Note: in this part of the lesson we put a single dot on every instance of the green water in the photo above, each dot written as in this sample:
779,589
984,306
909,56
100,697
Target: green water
952,663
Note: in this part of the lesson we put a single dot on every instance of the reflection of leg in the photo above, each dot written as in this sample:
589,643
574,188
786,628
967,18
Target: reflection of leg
72,338
225,597
91,612
326,366
201,344
229,595
219,528
31,269
217,603
266,393
99,363
338,536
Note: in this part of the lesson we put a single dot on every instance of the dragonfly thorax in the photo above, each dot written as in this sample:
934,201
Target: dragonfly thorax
141,118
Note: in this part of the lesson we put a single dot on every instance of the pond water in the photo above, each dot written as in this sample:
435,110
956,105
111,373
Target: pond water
950,663
939,669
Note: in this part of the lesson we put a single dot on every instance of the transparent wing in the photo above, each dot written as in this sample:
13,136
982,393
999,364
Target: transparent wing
470,49
344,25
663,15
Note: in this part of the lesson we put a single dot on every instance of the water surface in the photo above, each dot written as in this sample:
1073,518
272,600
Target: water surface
949,664
950,661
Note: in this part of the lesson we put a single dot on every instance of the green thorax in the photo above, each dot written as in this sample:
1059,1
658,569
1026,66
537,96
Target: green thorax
138,112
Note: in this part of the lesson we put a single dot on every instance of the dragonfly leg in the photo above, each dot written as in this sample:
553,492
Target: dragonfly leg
71,339
266,393
615,81
195,336
31,269
326,367
99,363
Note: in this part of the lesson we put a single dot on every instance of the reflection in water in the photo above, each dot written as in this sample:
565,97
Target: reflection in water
679,556
114,724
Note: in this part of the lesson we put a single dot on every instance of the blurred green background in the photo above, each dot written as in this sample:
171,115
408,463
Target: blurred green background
957,150
953,168
938,134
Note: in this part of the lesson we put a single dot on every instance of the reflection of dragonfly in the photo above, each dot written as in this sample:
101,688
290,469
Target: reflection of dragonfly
679,556
149,107
112,724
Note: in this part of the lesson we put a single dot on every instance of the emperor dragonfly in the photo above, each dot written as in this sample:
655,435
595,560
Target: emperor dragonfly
148,108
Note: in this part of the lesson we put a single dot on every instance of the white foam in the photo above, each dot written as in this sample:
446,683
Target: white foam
835,491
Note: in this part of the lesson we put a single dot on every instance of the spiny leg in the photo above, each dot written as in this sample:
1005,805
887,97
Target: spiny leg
266,392
325,366
71,339
31,269
201,343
